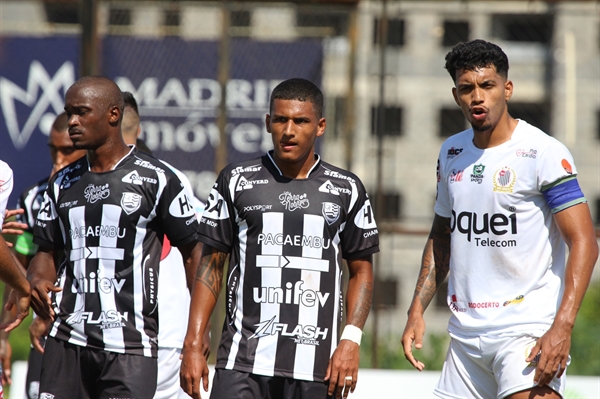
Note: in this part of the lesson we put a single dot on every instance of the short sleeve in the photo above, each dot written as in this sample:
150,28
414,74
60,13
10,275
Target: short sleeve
178,218
555,164
442,198
47,231
360,236
216,224
6,186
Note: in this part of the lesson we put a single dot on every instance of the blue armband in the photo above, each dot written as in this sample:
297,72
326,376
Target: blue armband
563,194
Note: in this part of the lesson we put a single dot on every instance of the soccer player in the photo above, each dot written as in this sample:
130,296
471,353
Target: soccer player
108,212
173,295
287,219
62,154
507,202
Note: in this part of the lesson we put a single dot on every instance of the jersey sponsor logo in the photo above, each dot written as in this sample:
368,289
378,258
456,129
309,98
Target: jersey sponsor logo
181,206
515,301
365,219
109,231
293,240
527,154
68,181
150,283
244,184
483,305
208,222
105,320
294,294
504,180
310,335
567,166
455,305
456,175
46,211
134,177
148,165
452,152
44,395
93,283
291,202
131,202
68,204
337,175
216,208
371,233
477,175
94,193
236,171
497,224
331,212
261,208
328,187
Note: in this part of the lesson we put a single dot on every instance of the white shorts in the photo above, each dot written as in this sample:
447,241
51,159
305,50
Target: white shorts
488,367
167,384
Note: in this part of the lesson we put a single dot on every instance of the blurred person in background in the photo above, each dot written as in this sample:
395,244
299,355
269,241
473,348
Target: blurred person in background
173,293
287,220
507,202
108,212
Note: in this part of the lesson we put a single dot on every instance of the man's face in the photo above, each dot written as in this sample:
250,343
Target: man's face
294,128
482,95
88,117
62,151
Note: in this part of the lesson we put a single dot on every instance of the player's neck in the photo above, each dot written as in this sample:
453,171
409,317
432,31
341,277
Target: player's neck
107,156
499,134
298,169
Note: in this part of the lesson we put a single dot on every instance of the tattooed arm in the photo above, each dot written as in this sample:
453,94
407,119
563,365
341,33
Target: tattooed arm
345,358
207,286
435,265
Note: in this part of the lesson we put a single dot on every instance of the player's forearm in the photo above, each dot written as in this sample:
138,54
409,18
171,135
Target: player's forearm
207,286
435,265
42,267
578,273
192,254
10,272
360,292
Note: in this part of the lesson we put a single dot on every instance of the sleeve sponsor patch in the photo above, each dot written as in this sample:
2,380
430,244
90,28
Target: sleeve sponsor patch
181,206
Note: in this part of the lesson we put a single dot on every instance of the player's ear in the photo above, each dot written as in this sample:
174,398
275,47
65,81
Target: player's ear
455,95
114,114
268,123
508,89
321,127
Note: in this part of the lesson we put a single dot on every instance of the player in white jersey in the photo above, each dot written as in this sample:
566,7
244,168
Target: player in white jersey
507,202
287,219
109,212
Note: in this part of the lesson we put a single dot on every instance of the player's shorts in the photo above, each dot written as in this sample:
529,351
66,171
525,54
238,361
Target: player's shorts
167,385
488,367
72,371
34,370
241,385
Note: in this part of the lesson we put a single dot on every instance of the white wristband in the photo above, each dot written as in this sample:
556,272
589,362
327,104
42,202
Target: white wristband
352,333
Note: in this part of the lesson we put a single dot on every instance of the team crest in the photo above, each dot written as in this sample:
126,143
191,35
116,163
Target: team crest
504,180
130,202
331,212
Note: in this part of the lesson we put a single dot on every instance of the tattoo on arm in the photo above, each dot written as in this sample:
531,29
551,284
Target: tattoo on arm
436,261
210,272
363,304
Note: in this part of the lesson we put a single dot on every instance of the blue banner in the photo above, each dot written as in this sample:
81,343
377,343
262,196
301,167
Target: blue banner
175,84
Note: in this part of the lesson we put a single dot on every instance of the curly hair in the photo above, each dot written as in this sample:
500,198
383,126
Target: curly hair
300,90
476,54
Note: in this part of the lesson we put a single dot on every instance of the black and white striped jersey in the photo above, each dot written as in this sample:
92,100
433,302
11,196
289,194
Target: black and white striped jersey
287,238
111,227
30,201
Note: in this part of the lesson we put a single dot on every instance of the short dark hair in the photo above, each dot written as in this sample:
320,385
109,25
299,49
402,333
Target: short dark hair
129,100
300,90
476,54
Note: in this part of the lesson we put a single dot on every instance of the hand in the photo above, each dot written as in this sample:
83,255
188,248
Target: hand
413,332
40,298
194,370
343,364
13,227
5,355
553,348
37,330
20,302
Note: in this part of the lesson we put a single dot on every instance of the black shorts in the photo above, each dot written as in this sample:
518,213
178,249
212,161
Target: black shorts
232,384
34,369
72,371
